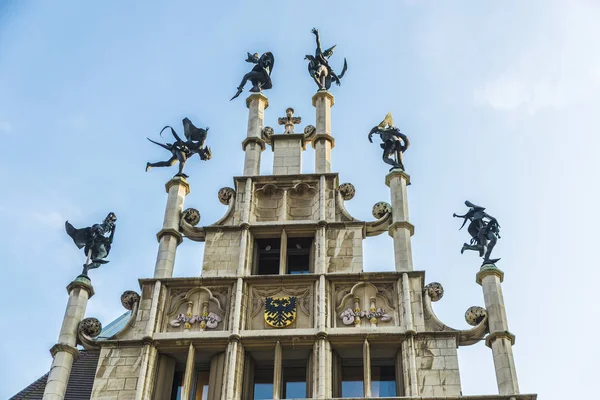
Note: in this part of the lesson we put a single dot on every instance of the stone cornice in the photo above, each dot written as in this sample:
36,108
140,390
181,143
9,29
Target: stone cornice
397,173
82,282
322,93
170,232
253,139
499,335
289,136
487,270
178,180
401,224
66,348
257,96
322,136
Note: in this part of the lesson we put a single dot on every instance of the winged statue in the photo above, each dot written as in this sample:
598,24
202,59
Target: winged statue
395,143
260,76
181,150
318,66
95,240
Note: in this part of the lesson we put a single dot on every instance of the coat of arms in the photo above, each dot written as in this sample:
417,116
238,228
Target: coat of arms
280,311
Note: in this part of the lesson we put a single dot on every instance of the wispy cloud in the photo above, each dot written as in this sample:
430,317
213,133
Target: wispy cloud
553,70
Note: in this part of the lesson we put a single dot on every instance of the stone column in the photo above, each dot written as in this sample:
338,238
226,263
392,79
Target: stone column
400,229
277,371
169,236
500,340
188,377
253,145
323,142
288,153
65,351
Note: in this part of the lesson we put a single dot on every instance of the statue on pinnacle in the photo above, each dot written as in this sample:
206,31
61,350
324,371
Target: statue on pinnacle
394,143
181,150
260,76
484,230
95,240
318,66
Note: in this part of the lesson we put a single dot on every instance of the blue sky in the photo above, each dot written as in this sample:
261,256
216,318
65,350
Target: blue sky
500,101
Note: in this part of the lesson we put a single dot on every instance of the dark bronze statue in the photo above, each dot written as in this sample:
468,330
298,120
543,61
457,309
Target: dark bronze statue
95,241
318,66
260,76
181,150
484,230
394,142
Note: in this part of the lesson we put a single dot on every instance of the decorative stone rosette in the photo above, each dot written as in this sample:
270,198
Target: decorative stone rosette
381,208
310,132
435,290
191,216
347,191
226,194
90,327
129,298
475,315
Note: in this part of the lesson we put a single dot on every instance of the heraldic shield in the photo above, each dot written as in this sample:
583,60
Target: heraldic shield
280,311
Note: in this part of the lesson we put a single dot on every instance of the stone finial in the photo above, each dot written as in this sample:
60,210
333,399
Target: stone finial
226,194
289,121
347,191
435,290
381,209
475,315
191,216
90,327
129,298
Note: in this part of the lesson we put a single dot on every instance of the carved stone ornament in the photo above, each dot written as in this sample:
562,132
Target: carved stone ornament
129,298
210,320
191,216
267,133
309,132
90,327
381,209
475,315
435,291
350,316
347,191
280,311
226,194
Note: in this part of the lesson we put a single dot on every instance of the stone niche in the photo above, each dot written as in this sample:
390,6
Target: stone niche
198,309
268,203
365,304
278,299
302,202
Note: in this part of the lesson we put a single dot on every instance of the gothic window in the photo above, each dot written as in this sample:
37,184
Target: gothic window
294,381
263,383
283,254
352,378
383,378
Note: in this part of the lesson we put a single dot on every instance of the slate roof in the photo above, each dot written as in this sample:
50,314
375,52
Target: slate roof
80,382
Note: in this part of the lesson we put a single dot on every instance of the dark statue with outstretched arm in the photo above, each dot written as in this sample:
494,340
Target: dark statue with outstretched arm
484,230
260,76
394,143
181,150
95,240
318,66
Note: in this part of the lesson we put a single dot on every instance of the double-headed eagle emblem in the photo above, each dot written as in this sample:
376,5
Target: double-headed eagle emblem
280,312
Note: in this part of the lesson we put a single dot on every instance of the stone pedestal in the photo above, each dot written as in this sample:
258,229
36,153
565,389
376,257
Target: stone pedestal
169,236
253,145
288,153
65,351
500,340
323,142
400,229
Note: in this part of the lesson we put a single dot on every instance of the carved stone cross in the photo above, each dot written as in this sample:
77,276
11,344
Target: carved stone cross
289,120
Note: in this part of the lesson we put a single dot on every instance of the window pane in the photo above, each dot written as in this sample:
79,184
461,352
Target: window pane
268,256
263,383
298,255
352,381
294,383
383,381
177,385
202,385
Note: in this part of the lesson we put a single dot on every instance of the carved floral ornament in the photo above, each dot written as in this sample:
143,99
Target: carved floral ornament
197,303
206,320
357,293
373,315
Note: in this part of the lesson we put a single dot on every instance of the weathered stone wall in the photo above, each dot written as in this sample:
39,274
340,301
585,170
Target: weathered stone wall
221,254
344,250
117,373
437,366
